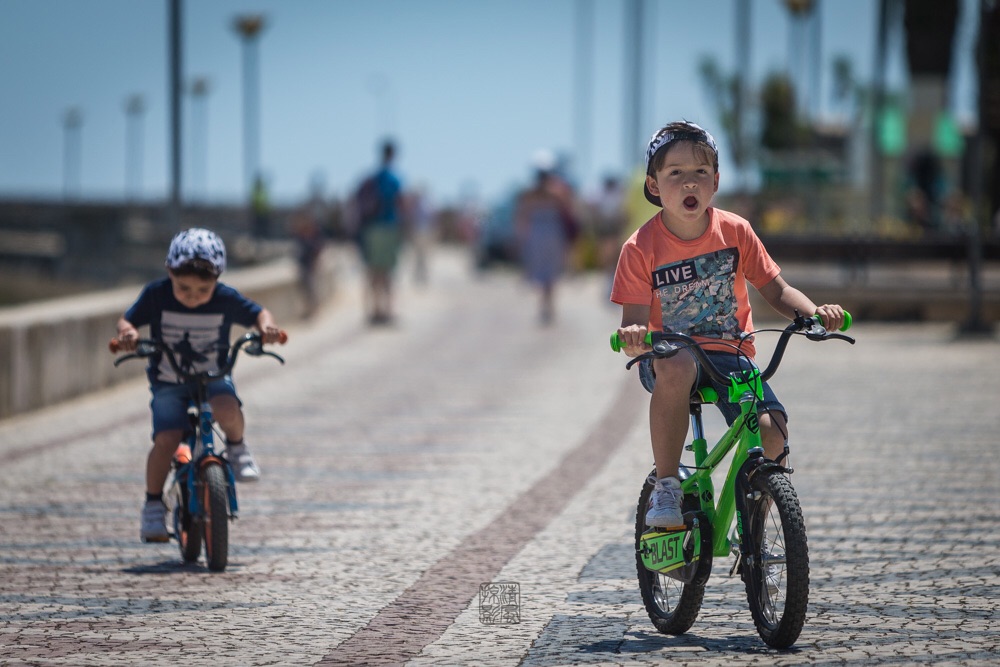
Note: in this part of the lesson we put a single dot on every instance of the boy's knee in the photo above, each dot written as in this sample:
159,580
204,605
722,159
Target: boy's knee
675,376
224,404
167,440
773,427
679,367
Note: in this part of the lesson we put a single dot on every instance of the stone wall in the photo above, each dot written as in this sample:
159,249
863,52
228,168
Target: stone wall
57,349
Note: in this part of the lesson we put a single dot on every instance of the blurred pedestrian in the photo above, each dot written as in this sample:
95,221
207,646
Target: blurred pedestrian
609,225
260,206
545,227
309,241
379,209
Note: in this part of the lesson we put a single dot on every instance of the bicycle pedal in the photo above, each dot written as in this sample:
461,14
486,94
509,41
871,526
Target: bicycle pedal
736,564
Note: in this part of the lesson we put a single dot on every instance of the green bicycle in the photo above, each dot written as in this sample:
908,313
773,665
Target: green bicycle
769,537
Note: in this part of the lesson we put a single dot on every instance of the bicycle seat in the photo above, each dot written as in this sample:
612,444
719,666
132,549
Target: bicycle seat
703,395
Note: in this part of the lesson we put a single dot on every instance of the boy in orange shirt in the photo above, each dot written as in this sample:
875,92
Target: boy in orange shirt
686,271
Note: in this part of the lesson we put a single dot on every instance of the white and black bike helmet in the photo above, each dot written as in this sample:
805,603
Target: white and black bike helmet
197,244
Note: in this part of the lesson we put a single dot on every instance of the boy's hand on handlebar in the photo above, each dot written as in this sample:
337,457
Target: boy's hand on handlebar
633,339
127,340
272,334
832,316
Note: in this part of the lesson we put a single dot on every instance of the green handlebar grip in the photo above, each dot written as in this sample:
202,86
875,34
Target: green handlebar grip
848,321
617,344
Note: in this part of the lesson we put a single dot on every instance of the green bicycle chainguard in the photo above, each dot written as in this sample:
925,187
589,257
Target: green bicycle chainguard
665,552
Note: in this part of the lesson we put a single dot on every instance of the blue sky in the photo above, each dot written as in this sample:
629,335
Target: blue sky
471,90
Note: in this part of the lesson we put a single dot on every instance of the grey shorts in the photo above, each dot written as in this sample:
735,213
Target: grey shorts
726,363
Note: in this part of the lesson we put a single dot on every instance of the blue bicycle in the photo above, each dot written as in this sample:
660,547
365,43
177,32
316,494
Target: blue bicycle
201,489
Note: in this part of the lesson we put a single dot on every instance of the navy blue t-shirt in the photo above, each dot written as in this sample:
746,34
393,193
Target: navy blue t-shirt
198,336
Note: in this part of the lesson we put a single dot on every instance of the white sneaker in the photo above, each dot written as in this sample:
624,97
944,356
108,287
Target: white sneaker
665,504
154,522
244,467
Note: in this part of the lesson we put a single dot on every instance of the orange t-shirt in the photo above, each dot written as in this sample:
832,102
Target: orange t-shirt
696,287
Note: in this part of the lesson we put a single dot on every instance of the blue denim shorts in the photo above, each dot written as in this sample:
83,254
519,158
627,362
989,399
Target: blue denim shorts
170,402
726,363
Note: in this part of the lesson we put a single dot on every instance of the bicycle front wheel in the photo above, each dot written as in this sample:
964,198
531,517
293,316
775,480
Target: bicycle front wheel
672,604
216,519
188,531
776,567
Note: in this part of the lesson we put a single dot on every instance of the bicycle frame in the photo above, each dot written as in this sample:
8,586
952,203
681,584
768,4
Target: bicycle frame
201,441
745,432
671,552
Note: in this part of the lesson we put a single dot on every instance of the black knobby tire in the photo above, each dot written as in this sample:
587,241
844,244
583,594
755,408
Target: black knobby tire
776,532
671,604
215,524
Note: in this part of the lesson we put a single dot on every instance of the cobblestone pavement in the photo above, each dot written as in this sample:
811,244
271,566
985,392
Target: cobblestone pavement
405,467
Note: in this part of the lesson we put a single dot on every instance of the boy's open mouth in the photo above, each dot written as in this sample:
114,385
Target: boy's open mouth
691,202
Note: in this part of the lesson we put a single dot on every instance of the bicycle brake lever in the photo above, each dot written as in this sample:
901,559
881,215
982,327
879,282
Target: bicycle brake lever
120,360
272,354
661,350
634,360
254,348
817,333
842,337
827,335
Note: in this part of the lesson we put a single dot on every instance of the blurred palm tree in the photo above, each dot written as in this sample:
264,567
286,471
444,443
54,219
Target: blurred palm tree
723,91
780,129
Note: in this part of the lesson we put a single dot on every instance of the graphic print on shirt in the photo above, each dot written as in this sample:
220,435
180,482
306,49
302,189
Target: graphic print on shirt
698,296
194,340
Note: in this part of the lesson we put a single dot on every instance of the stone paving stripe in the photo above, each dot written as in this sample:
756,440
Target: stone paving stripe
422,613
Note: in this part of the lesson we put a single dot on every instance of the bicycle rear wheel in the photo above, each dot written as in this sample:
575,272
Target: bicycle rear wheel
776,568
215,525
672,604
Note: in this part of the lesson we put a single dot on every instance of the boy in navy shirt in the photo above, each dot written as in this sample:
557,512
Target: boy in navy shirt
192,312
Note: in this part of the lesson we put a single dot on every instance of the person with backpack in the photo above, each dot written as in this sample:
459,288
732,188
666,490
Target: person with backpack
378,202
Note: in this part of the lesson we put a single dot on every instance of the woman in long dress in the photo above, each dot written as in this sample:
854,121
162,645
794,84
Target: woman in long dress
545,227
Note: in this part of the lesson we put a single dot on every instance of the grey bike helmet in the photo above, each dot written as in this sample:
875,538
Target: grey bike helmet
197,244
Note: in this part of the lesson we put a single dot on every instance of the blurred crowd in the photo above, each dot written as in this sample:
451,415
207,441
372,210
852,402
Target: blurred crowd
545,228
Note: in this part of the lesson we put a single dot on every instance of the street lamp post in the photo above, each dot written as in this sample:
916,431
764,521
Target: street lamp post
249,27
582,86
199,136
634,83
174,94
72,122
135,106
803,52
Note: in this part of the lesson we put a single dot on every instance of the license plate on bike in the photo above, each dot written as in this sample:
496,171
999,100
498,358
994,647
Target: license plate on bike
665,551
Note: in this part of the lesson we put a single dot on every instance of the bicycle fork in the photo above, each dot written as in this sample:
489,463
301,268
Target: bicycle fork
204,454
